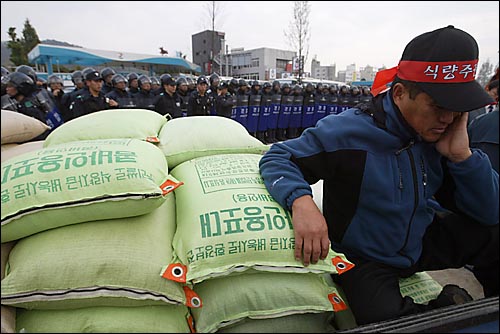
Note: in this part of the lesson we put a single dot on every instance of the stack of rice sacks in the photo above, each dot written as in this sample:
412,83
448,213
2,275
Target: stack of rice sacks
234,244
89,219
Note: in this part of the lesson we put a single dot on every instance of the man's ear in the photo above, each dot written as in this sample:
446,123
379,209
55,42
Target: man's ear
398,91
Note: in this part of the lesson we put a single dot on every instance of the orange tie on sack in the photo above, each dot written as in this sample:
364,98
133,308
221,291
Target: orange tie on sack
337,302
341,265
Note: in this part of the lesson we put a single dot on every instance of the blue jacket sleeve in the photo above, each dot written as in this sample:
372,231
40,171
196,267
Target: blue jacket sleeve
283,178
480,202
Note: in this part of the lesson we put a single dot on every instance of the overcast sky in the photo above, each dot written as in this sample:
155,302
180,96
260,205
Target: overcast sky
342,32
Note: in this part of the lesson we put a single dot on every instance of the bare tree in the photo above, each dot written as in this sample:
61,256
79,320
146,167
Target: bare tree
214,10
485,73
298,34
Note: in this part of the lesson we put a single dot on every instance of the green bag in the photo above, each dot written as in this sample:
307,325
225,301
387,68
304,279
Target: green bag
145,319
139,124
263,295
186,138
102,263
420,286
78,182
228,222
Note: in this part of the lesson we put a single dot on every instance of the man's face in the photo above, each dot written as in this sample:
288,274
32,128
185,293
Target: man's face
170,89
94,85
428,119
202,88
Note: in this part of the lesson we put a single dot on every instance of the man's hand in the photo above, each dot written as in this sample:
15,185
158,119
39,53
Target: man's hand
311,231
112,103
454,143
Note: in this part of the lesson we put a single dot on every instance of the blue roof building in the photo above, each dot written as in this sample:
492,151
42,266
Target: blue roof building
124,62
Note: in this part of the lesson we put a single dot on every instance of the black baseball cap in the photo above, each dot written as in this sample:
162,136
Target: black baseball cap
169,81
443,64
202,80
93,75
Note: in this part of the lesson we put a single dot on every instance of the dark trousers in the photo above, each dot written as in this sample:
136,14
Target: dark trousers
372,289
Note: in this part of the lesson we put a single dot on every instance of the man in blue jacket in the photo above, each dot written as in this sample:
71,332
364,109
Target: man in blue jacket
385,167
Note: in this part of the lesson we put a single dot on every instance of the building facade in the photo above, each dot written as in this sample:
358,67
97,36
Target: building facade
208,50
260,64
323,72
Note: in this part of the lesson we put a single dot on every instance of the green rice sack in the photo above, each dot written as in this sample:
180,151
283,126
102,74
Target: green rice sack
263,295
145,319
111,262
186,138
228,222
139,124
78,182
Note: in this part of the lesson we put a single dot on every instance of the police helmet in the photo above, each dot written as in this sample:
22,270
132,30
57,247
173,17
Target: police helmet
117,78
242,83
214,77
143,79
132,76
155,81
309,86
285,85
266,85
53,79
233,82
276,83
255,83
22,82
181,81
190,82
77,77
223,84
354,90
28,70
86,71
107,71
5,71
202,80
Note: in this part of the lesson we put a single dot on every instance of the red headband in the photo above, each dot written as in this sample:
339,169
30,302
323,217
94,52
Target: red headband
423,71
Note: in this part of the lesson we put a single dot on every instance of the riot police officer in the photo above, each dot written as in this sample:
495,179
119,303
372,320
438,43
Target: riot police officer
120,93
366,95
183,93
213,90
354,96
272,123
200,102
265,114
20,87
224,102
144,98
168,101
106,75
133,83
91,99
308,107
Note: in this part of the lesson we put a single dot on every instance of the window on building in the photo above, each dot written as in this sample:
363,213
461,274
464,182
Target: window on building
281,63
255,62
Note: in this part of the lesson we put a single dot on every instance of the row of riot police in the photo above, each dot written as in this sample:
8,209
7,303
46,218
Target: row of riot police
279,112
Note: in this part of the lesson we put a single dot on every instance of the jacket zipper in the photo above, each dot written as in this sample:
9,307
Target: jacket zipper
415,192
